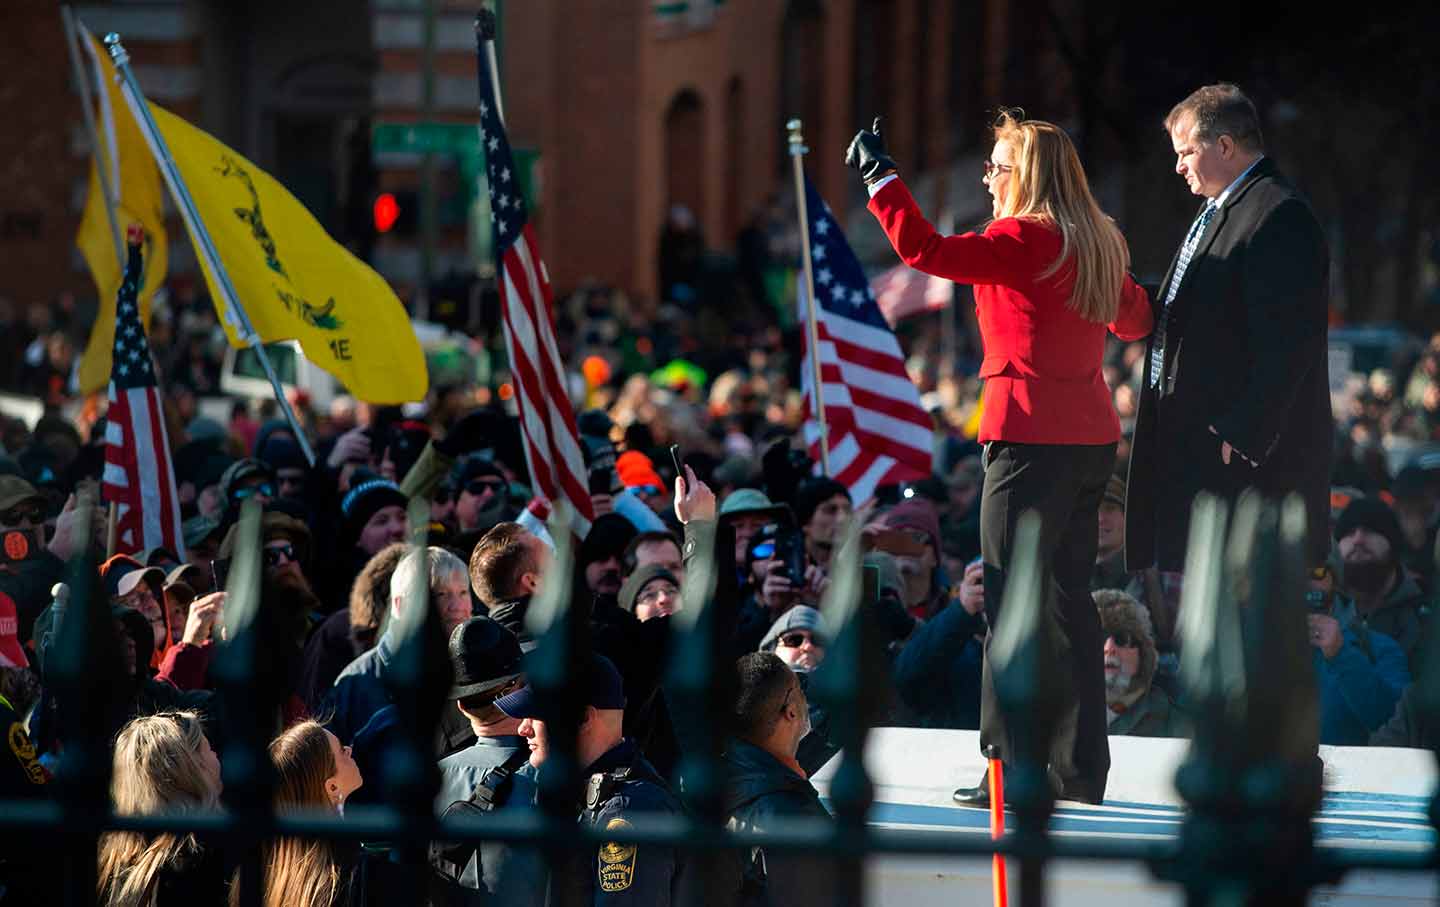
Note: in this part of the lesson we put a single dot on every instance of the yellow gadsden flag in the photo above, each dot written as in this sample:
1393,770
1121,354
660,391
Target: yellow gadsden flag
135,181
294,281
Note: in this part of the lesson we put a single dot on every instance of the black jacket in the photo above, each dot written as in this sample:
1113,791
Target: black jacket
762,792
1245,352
937,673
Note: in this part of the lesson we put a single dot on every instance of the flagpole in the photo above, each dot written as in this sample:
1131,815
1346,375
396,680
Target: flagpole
102,167
485,29
140,107
797,151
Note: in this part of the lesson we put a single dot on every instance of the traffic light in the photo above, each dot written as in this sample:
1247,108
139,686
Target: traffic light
386,211
396,213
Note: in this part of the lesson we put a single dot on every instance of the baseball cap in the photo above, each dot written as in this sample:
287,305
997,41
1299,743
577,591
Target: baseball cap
15,490
601,683
12,654
123,573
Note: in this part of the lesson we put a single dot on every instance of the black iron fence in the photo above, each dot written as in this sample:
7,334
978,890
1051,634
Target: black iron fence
1252,780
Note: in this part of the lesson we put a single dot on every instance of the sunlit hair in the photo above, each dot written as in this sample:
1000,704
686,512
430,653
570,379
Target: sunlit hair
301,872
1049,185
439,562
157,768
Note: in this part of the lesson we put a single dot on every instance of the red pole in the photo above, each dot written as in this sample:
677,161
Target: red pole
997,829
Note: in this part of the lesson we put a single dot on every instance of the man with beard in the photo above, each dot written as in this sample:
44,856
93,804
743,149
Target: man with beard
1134,705
600,556
1359,673
1377,593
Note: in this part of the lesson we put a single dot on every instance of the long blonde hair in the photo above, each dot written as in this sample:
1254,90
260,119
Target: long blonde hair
1049,185
300,872
157,768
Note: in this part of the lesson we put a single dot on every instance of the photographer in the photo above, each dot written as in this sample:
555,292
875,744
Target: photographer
1360,672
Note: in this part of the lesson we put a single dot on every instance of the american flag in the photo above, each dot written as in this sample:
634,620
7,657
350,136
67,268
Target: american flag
138,474
878,433
552,446
903,291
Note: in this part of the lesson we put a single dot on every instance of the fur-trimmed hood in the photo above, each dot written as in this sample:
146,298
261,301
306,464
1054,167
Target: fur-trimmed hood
1121,613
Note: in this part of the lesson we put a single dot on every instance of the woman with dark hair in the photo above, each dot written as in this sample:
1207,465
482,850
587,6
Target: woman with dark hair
1049,272
162,763
313,772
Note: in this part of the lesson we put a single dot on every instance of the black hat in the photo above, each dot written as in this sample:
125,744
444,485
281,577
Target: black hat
474,467
1375,515
609,535
484,656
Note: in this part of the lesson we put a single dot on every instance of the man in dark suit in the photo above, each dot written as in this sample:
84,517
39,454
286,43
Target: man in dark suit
1235,391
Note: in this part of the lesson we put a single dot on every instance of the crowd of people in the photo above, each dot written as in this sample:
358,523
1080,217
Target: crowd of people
338,575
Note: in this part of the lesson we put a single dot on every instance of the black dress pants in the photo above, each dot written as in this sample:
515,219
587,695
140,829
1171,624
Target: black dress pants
1064,484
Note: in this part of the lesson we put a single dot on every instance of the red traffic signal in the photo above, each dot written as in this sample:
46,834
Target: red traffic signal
386,211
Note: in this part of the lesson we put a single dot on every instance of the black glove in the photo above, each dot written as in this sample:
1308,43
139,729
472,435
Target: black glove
868,155
475,430
891,618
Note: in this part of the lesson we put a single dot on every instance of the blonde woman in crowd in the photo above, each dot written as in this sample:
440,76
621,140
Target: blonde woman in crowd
162,763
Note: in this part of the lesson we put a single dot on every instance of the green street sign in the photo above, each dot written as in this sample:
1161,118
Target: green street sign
461,139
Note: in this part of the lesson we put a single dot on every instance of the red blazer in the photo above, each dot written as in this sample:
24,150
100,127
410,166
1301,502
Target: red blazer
1043,383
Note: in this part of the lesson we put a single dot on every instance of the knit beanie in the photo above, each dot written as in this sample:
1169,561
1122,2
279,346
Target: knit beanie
1375,515
636,582
916,513
363,501
634,468
800,617
609,534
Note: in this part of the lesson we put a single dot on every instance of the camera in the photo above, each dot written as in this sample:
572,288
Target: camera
790,551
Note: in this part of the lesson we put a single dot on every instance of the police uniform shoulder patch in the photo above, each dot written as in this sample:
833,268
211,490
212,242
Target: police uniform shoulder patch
24,751
616,866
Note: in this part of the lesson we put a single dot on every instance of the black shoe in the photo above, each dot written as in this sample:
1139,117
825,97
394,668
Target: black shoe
975,797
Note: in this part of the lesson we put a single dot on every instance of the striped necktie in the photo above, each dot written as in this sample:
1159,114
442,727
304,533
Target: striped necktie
1192,240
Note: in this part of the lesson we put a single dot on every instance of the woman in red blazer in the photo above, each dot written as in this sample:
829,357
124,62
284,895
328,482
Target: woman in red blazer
1050,279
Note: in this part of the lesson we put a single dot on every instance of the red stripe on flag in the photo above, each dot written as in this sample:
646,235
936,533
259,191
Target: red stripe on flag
169,532
540,393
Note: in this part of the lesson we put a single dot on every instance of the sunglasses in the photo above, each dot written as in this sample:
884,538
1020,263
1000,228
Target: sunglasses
796,640
19,514
481,486
279,554
265,488
1126,640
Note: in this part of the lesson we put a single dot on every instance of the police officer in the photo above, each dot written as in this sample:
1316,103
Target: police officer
622,791
492,774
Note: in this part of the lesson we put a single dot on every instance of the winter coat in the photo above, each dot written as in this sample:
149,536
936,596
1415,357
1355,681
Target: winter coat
763,793
1360,686
937,674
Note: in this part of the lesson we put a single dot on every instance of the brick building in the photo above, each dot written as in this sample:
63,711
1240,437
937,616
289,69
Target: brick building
629,106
